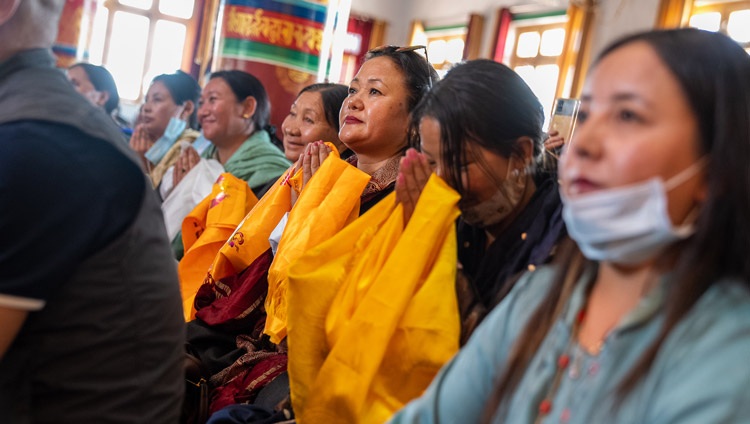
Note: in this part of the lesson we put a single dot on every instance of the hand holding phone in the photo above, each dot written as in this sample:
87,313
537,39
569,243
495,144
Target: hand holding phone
563,119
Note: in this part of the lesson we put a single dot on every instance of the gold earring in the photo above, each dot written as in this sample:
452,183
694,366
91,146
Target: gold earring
246,116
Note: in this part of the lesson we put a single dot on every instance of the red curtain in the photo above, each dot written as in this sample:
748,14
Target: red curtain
363,28
504,18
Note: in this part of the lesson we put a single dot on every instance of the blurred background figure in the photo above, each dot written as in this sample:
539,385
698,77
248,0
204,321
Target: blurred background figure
91,325
96,84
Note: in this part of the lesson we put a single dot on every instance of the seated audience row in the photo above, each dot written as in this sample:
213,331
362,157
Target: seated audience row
336,281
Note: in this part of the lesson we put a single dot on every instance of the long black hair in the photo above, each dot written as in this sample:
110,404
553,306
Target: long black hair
484,102
713,72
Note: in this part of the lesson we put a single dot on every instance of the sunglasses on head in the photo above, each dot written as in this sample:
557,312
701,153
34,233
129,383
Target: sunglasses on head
405,49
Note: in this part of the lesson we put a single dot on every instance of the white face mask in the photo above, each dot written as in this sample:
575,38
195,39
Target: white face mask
501,204
174,129
626,225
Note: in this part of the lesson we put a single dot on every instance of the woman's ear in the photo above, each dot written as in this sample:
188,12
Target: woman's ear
248,107
526,144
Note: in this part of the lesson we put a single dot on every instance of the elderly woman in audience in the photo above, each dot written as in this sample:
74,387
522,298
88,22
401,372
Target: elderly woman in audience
314,116
481,130
647,318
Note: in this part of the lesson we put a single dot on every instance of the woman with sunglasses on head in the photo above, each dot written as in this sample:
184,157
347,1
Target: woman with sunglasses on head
481,130
647,319
375,116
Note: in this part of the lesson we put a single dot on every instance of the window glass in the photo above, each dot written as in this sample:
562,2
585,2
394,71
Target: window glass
552,42
436,51
738,26
455,50
528,44
168,47
710,21
127,52
98,35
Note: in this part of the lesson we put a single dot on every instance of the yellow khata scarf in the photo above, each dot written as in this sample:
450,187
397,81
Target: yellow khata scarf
206,228
328,203
373,313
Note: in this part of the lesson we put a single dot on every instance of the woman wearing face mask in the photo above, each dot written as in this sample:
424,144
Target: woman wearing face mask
167,117
313,117
487,144
648,319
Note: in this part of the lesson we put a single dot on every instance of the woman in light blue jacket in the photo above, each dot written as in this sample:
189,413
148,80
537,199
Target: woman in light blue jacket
646,318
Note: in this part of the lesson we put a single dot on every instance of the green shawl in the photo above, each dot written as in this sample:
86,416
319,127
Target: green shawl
257,161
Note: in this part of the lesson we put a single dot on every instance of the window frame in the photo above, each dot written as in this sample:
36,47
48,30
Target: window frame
192,27
725,8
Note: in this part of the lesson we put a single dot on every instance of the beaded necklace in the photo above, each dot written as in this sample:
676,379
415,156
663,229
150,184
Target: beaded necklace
563,361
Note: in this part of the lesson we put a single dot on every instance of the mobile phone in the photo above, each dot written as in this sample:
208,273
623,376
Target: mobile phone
563,119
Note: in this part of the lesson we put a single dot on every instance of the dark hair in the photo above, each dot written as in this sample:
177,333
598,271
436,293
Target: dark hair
102,80
333,96
420,76
487,103
245,85
182,87
714,73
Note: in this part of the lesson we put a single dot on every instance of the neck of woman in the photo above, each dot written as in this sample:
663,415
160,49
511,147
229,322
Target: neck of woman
226,148
616,292
370,163
497,230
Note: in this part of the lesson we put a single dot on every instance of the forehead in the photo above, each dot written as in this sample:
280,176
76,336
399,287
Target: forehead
382,68
309,100
78,73
217,85
634,68
158,87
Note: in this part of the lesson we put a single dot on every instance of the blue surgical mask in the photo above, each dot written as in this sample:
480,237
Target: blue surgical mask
505,200
626,225
175,127
201,143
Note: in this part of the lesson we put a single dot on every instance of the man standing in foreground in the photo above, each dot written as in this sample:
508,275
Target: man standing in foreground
91,323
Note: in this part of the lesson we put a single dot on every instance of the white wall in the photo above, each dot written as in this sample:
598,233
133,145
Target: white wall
615,19
397,13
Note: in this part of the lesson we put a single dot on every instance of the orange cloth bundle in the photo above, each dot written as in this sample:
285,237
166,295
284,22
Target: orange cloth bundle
373,313
329,202
206,228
